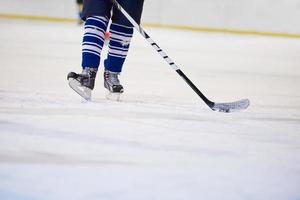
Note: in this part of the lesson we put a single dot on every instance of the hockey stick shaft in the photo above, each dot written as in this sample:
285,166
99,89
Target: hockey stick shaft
163,54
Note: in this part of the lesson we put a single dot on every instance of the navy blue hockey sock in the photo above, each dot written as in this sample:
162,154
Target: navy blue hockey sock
120,37
93,40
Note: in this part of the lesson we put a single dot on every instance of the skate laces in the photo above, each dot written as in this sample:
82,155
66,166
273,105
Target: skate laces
88,71
112,77
87,77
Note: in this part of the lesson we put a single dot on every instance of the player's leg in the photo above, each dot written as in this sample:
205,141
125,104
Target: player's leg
120,37
96,14
121,31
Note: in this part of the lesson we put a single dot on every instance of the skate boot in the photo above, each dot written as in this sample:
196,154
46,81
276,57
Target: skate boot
83,83
112,84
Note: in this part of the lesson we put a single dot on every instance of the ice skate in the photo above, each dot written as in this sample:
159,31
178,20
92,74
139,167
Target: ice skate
83,83
113,86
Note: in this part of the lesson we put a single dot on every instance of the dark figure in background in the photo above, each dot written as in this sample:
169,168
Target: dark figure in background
79,9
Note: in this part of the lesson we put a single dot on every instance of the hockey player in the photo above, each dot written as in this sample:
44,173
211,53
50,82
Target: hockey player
97,14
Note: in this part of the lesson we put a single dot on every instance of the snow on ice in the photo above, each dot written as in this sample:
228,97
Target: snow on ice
160,141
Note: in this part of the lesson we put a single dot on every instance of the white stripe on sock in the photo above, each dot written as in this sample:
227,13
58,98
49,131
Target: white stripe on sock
87,51
120,33
95,36
95,31
92,43
119,37
103,20
118,52
90,47
113,55
118,48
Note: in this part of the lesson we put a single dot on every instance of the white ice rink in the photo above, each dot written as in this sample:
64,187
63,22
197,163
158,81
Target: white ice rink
161,142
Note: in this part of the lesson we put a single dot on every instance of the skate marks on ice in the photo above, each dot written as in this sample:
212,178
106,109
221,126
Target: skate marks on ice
143,153
87,148
57,117
102,108
21,103
16,102
34,144
113,96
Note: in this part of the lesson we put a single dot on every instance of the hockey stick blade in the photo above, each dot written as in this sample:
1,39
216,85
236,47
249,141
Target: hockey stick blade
231,106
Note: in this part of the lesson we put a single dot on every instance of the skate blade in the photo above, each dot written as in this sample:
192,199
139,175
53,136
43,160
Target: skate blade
113,96
84,92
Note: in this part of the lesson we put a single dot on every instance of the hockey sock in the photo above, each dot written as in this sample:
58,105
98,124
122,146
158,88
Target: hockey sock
120,37
93,40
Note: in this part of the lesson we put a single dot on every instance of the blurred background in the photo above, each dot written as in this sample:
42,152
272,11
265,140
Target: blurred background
240,16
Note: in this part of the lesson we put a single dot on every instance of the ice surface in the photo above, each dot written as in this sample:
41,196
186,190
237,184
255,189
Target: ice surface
161,141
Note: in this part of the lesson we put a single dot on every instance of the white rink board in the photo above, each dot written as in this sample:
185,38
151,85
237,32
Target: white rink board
280,16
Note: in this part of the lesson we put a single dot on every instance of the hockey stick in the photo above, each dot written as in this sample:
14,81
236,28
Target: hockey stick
221,107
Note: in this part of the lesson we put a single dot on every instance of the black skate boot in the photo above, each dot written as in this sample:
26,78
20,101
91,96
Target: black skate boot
112,84
83,83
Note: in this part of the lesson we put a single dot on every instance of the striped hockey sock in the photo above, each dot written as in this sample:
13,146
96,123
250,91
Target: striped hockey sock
120,37
93,41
